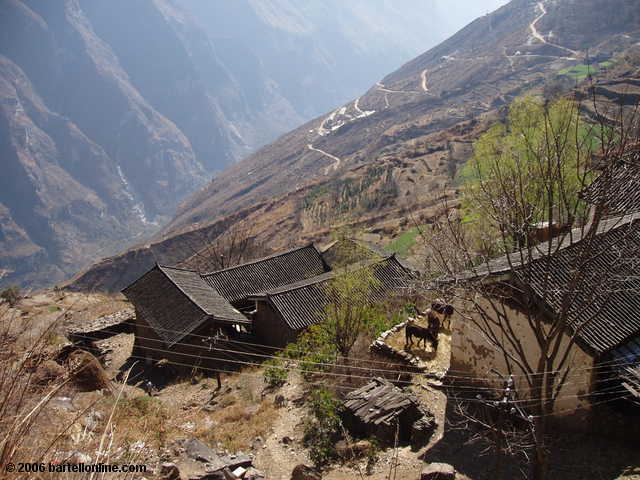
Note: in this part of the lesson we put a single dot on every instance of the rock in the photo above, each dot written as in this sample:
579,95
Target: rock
240,459
438,471
49,372
197,450
239,472
303,472
92,420
64,403
169,471
223,474
253,474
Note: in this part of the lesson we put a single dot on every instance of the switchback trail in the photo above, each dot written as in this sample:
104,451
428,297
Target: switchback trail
423,76
537,35
332,157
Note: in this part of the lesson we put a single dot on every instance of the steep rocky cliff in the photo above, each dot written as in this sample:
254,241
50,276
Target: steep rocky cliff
114,112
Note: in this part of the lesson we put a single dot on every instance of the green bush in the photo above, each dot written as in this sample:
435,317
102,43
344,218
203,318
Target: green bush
324,428
11,295
275,375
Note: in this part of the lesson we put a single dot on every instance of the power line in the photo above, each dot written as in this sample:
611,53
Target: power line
601,365
302,370
304,362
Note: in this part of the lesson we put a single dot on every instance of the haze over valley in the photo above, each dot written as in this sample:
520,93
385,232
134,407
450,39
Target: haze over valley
115,112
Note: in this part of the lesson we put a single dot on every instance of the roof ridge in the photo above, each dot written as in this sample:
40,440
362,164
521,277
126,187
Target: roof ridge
328,275
301,284
259,260
177,268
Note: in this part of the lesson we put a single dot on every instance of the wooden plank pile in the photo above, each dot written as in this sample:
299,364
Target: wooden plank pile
383,410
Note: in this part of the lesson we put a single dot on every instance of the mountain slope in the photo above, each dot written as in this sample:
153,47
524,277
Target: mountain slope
483,67
114,112
395,149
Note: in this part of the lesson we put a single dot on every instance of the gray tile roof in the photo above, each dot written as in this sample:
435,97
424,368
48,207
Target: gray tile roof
605,308
201,293
626,360
506,263
618,187
240,282
302,304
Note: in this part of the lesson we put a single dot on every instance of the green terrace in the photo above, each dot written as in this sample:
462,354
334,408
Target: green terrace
583,70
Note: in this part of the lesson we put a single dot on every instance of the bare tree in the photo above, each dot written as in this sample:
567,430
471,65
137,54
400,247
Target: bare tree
497,423
209,253
526,240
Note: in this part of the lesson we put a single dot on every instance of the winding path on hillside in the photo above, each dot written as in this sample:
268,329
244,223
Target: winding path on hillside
336,160
356,106
380,86
423,77
536,34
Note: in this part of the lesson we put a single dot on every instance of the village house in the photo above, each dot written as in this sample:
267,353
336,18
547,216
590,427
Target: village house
236,284
179,316
602,310
191,319
282,313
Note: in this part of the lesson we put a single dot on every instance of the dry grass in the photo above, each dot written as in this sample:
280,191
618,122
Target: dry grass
33,427
236,426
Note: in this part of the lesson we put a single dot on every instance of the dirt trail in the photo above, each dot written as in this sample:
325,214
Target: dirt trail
423,76
382,88
332,157
356,106
276,459
322,130
537,35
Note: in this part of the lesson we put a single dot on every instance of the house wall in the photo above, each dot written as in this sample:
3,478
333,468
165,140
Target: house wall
191,351
269,328
473,355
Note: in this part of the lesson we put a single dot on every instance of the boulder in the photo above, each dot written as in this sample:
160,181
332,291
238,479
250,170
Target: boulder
169,471
438,471
77,458
87,372
253,474
303,472
48,372
197,450
239,472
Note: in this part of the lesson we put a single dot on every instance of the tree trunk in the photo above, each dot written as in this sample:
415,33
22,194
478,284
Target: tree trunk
540,461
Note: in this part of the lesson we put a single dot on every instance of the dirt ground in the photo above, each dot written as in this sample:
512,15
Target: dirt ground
242,415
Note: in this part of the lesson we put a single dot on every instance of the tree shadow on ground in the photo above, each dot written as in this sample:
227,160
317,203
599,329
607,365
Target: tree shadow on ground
574,456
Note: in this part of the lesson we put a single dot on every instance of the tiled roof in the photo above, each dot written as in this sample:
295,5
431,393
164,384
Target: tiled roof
618,187
506,263
200,293
302,304
626,360
240,282
175,302
605,308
